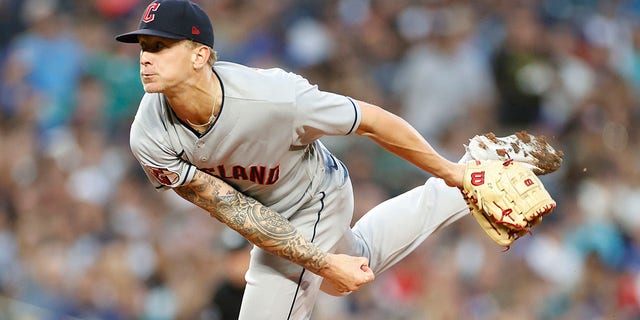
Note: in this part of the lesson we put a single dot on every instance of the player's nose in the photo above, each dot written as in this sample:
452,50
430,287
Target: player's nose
144,57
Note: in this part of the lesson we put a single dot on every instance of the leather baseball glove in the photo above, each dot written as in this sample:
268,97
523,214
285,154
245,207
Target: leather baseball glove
506,198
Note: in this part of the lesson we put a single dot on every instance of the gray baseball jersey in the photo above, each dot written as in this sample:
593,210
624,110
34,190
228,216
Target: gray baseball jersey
264,143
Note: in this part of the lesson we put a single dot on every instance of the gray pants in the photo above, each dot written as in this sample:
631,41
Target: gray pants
278,289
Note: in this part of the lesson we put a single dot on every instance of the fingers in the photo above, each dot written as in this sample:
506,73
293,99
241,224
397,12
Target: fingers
368,276
364,266
364,263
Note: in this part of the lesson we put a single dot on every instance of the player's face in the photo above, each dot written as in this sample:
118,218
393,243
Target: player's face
164,63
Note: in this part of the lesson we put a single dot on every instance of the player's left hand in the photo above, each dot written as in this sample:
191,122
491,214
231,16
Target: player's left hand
506,198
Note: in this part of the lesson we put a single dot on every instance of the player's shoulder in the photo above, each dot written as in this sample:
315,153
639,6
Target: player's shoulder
151,105
151,113
231,68
244,82
149,131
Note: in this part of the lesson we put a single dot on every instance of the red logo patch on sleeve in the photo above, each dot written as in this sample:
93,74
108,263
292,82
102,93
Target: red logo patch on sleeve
163,175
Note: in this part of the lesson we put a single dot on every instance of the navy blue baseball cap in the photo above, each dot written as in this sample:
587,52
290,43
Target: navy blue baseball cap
173,19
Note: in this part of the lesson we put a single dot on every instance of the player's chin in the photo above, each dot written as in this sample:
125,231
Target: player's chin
151,88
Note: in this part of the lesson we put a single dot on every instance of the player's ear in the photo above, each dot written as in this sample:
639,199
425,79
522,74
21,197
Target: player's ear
200,56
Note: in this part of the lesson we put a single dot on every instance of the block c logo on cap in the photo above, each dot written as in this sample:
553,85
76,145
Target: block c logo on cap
148,15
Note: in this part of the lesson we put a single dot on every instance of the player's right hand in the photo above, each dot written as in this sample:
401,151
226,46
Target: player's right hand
345,274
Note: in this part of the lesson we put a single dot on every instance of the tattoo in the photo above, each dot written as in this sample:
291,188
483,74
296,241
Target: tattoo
257,223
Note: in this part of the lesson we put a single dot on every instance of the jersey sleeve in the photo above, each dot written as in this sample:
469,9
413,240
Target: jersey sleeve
151,145
321,113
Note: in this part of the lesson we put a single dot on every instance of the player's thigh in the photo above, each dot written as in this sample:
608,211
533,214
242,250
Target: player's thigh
280,286
325,222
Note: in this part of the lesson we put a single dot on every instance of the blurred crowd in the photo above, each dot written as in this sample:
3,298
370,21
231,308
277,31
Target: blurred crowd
83,235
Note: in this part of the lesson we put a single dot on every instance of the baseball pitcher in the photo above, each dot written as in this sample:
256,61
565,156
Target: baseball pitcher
242,143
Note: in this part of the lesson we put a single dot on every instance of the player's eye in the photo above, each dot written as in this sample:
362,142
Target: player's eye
153,47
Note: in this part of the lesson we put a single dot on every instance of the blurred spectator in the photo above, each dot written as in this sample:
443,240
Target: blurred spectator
443,82
227,294
116,68
630,65
521,69
51,59
573,80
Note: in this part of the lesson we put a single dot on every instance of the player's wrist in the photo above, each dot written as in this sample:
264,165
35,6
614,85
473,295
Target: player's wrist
326,265
453,174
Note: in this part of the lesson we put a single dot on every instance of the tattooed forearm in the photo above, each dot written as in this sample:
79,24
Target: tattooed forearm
259,224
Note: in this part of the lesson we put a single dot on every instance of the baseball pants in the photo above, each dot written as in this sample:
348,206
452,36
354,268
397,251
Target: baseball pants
279,289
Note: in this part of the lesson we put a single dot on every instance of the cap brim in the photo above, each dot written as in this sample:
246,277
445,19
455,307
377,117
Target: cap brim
132,37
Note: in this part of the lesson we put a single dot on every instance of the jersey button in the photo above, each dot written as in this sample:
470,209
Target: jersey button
199,144
203,159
